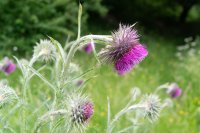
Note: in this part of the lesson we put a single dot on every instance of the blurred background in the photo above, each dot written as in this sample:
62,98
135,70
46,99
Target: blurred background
169,28
23,22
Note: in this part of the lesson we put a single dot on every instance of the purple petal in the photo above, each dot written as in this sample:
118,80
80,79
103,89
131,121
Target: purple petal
87,110
8,66
130,59
176,92
88,48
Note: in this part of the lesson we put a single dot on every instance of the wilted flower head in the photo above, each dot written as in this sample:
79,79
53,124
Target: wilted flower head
80,109
45,50
7,94
7,66
174,90
88,48
125,51
152,107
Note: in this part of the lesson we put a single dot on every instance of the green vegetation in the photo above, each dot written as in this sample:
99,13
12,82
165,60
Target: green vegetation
22,27
24,22
160,67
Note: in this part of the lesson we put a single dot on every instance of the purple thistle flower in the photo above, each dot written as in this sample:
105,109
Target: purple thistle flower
82,113
87,111
130,59
174,90
88,48
125,51
8,66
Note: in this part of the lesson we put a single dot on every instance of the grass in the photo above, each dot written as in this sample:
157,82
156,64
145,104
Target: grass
159,67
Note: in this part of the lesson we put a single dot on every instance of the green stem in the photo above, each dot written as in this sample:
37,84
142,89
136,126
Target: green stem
23,106
76,44
45,117
79,21
111,125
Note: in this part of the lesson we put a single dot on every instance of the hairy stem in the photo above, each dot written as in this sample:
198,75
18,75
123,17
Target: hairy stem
79,21
125,110
25,84
45,117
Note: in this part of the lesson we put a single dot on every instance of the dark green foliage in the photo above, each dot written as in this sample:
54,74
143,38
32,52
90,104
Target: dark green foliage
23,22
148,10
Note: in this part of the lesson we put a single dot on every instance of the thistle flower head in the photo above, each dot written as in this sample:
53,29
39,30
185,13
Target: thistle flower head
45,50
125,35
7,66
130,59
7,94
80,109
88,48
152,107
174,90
125,51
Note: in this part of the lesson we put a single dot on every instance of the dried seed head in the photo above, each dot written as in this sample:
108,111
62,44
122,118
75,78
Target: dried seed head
45,51
152,107
7,95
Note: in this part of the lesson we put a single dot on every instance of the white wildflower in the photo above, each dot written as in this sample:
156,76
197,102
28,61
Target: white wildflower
191,52
188,39
179,55
193,44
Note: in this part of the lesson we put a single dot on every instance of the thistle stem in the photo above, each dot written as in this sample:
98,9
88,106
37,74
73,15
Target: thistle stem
164,86
76,44
23,107
120,114
48,115
79,21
